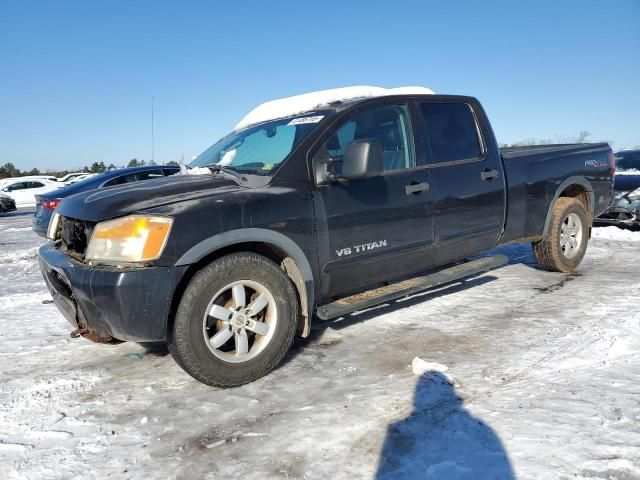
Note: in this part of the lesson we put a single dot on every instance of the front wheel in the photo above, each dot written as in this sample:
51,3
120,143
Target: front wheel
235,322
564,248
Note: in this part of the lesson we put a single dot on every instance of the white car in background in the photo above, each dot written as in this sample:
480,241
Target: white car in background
79,178
73,177
23,190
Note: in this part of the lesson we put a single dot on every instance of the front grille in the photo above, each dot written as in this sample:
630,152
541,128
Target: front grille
75,235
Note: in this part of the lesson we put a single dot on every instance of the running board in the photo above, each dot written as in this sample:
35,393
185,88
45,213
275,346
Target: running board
371,298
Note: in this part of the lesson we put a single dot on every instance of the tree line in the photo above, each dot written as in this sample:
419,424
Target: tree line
9,170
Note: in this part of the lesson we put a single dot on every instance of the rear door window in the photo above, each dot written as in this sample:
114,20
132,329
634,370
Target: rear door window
452,131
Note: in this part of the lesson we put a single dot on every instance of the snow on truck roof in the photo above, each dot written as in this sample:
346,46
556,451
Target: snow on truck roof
308,102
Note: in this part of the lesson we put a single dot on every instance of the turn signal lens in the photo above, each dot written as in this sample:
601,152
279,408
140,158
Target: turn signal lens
136,238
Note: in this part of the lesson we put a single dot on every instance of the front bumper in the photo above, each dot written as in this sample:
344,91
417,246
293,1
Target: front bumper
108,303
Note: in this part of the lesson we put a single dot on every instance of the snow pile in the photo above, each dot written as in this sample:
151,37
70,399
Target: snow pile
185,170
615,233
432,370
307,102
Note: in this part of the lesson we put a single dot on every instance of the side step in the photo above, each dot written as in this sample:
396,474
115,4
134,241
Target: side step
370,298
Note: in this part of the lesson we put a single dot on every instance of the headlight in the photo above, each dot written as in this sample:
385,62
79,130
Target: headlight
136,238
635,194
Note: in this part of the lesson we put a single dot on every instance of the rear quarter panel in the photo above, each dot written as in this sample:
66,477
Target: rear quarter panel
537,176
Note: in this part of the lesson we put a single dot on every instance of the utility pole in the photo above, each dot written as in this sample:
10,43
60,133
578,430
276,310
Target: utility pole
153,144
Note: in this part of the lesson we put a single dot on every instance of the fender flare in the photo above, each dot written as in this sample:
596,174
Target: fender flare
575,180
261,235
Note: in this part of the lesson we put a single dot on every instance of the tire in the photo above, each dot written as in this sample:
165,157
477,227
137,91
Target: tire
557,252
212,291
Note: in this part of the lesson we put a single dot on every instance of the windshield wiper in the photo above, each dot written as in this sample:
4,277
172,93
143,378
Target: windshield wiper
216,168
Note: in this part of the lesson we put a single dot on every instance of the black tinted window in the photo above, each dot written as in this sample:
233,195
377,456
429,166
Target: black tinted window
146,175
116,181
17,186
452,131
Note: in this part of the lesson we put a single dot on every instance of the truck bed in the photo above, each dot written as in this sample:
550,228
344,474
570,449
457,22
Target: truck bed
536,174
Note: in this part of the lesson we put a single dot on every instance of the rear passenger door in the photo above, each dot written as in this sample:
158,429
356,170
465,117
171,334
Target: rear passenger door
466,178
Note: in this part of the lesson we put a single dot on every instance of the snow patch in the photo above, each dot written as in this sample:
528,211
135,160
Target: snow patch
422,368
615,233
15,257
308,102
184,170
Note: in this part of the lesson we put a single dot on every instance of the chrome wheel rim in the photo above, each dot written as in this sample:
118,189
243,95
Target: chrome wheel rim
240,321
571,235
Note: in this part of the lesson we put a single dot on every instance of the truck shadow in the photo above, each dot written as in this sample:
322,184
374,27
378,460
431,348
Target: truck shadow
440,439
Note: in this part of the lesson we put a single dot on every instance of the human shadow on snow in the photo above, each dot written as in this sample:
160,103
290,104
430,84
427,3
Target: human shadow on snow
440,439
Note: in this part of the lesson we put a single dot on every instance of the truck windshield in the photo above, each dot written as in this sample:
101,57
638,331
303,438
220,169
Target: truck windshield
259,149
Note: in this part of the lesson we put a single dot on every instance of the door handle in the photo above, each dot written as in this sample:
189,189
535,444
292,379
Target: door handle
414,188
489,174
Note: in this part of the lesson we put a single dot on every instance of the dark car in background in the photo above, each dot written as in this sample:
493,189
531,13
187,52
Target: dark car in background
47,203
7,204
625,209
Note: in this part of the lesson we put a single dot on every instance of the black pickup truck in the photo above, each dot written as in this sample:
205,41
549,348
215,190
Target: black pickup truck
305,216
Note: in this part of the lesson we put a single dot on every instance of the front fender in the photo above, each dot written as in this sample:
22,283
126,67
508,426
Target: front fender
261,235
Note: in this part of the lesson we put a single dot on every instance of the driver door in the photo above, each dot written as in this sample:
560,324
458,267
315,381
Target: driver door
377,228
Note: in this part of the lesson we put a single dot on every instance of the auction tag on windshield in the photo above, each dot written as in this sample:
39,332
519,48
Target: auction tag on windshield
302,120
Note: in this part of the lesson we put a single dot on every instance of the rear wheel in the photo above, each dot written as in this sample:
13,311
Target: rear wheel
235,322
564,247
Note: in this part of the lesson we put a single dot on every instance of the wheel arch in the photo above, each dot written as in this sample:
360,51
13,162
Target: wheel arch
273,245
576,187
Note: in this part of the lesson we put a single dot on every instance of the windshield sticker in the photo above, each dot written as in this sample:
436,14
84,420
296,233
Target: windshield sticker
267,166
302,120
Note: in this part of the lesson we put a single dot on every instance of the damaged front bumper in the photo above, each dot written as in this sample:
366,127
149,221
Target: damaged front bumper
107,304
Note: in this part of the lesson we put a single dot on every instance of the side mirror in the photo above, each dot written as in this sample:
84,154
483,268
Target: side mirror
362,159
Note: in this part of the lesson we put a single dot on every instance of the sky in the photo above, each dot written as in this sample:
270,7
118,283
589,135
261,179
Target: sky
77,78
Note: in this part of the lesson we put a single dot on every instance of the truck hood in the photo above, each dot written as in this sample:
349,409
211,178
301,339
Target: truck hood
113,202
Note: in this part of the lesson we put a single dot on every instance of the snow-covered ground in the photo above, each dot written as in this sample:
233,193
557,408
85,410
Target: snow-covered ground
523,373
